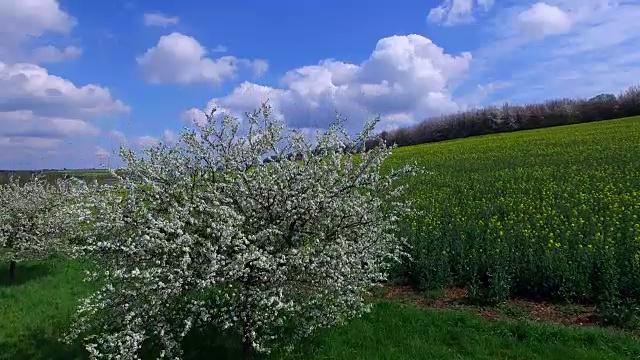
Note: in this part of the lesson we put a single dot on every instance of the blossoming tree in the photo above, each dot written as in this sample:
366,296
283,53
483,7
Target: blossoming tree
32,224
205,233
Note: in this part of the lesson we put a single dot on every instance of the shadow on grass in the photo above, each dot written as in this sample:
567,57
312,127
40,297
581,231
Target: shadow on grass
214,344
24,273
40,346
197,346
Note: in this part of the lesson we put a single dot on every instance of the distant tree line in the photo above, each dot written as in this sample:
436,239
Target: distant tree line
24,176
506,118
51,175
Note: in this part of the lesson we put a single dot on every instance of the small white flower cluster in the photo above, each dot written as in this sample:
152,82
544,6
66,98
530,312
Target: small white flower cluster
33,220
203,232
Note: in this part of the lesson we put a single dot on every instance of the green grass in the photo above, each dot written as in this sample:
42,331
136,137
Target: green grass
551,213
39,307
394,331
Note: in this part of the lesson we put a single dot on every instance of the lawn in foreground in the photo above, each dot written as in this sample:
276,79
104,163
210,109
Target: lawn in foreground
36,310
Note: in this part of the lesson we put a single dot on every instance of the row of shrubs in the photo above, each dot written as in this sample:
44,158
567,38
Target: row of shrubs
496,119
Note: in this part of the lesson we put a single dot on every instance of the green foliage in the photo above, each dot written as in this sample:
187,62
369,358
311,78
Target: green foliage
551,213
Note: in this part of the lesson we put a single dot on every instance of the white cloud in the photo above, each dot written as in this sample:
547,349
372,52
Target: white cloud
179,58
39,110
31,87
543,19
21,20
50,54
158,19
561,48
453,12
405,79
602,26
576,25
23,123
27,152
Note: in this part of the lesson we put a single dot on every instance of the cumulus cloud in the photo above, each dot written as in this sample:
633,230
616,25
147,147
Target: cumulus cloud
453,12
21,20
159,19
543,19
405,79
30,87
42,111
179,58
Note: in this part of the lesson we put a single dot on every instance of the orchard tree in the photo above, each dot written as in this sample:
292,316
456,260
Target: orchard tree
32,221
205,233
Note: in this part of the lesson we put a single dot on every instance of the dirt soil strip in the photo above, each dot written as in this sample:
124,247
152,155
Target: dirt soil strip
540,311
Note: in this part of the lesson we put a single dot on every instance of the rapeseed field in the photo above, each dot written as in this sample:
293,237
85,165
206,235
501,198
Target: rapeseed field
550,213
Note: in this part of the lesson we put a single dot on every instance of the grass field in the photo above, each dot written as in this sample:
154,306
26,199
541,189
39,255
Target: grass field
550,213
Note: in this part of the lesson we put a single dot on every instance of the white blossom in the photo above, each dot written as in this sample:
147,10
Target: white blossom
33,223
201,232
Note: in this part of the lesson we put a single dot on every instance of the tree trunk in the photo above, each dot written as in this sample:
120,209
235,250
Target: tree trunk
12,271
247,350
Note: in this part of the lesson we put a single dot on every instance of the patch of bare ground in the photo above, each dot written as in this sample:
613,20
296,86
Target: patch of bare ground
515,309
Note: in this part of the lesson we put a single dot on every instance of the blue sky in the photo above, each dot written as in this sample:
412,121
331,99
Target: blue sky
78,78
